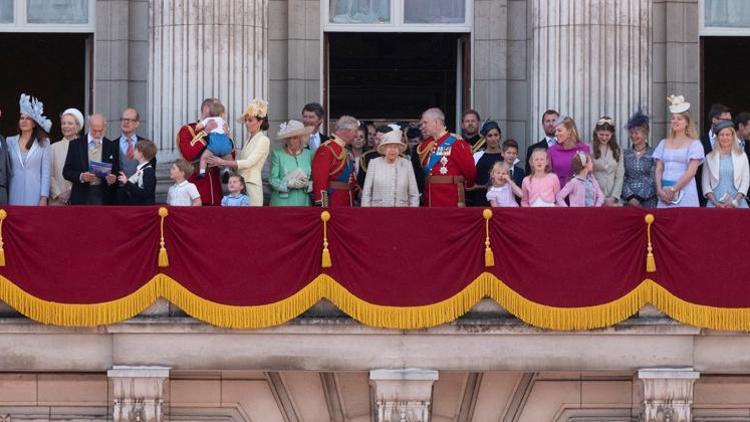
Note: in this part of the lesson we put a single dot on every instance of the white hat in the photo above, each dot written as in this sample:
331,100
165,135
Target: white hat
34,108
76,115
391,138
677,104
294,128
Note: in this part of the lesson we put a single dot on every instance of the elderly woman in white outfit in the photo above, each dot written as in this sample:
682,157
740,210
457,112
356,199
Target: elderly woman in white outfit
390,180
253,155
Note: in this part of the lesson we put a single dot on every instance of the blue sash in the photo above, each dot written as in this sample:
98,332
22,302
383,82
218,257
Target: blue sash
345,173
435,157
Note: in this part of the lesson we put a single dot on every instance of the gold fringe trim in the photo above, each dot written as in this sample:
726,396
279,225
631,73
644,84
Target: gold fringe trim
393,317
3,215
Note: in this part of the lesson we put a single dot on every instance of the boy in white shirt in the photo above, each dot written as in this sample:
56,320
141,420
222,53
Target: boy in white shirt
218,141
182,193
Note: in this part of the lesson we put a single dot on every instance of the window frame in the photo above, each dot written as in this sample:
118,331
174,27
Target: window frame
718,31
20,21
397,23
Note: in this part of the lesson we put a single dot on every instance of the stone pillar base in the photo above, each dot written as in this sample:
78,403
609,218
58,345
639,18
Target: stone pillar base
138,392
667,394
403,395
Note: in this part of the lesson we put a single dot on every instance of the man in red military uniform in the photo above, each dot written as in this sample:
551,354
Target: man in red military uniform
447,163
332,167
191,144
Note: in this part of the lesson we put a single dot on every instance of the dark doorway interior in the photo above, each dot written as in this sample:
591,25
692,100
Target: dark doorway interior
51,67
725,71
392,76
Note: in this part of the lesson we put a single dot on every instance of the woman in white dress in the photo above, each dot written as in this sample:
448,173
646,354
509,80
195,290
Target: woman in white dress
678,158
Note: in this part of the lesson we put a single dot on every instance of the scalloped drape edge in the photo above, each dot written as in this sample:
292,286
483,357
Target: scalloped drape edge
393,317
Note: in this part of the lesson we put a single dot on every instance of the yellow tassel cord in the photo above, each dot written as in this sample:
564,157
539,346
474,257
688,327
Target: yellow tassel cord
3,215
163,258
650,261
325,260
489,257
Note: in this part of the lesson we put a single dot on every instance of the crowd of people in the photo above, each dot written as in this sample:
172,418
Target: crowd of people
394,165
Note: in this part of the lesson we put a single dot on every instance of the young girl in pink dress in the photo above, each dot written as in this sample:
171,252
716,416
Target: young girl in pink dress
582,190
502,191
541,187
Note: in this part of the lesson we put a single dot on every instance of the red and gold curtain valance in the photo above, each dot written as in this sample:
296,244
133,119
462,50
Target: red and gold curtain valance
396,268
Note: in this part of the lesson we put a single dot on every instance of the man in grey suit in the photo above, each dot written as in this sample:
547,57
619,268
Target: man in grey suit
6,171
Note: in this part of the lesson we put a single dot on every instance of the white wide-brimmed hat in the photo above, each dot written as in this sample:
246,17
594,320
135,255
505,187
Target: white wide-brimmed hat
294,128
391,138
677,104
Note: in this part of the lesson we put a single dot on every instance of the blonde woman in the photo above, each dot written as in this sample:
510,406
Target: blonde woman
726,176
71,124
253,155
677,159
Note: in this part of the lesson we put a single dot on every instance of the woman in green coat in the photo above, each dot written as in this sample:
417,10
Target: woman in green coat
291,167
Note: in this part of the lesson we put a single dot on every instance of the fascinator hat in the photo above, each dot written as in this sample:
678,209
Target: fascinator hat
294,128
677,104
34,108
77,115
488,126
257,108
637,120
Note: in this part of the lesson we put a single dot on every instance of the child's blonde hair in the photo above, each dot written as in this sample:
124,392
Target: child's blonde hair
539,151
242,182
499,165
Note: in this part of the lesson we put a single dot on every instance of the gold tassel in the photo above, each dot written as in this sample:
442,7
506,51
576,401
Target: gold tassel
650,261
3,214
163,258
489,257
325,261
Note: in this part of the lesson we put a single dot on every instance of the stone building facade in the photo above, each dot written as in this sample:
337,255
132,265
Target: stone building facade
583,57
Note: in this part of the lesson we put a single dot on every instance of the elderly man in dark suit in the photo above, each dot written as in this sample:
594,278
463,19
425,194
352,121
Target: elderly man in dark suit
92,187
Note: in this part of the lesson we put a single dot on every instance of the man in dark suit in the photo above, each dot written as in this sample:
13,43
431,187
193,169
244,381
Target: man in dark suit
6,169
548,125
130,120
312,115
716,113
470,122
743,132
90,188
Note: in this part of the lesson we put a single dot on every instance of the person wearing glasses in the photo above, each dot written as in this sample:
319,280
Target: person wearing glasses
130,120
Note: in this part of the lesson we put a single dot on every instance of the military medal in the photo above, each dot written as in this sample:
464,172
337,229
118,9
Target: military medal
443,163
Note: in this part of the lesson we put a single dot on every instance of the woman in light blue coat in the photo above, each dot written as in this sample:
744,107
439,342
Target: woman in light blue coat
30,155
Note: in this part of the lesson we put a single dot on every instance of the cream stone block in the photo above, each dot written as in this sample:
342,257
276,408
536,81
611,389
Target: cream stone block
549,398
195,392
495,394
254,398
306,392
18,389
607,392
447,395
722,391
354,391
57,389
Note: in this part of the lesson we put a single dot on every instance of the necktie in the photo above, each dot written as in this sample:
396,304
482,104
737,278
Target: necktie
130,149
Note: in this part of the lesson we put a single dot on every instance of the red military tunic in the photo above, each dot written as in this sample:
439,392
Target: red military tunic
452,170
333,174
191,145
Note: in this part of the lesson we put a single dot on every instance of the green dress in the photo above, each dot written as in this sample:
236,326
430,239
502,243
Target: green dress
281,164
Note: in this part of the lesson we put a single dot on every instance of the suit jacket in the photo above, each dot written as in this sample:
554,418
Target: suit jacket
143,193
706,142
77,162
6,171
540,144
710,172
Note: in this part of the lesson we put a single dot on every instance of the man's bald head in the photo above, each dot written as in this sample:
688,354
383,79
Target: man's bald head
97,125
432,123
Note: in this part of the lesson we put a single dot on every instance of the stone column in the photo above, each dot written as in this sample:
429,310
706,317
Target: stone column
590,58
138,392
403,395
200,49
667,394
